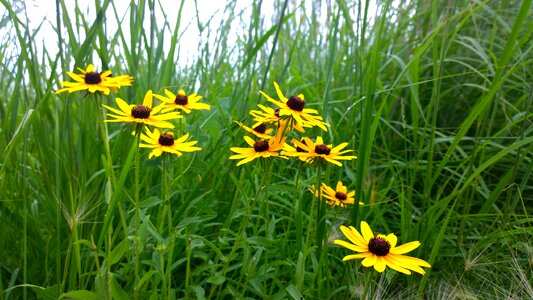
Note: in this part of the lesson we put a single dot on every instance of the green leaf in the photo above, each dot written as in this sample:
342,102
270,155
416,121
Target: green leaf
79,295
118,253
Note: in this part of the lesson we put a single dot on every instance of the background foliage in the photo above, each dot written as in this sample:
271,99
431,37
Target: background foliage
436,96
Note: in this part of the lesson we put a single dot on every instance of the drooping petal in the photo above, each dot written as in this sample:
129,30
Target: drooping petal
395,266
356,256
380,264
370,260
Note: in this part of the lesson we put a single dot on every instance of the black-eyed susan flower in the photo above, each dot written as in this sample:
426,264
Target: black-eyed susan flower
182,101
381,251
269,115
260,131
294,107
164,142
93,81
261,148
294,151
318,150
143,114
338,196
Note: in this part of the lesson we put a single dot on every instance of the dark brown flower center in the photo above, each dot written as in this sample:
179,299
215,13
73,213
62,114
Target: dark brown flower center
299,149
92,78
322,149
261,146
379,246
260,128
166,139
181,99
341,196
296,103
141,112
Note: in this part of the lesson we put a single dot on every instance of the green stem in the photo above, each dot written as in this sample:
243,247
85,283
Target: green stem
320,211
170,246
104,136
298,209
188,266
137,211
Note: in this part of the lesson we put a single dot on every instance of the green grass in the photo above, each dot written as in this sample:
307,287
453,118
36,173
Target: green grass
435,96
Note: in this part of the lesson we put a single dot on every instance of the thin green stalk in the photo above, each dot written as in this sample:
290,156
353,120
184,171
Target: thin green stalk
264,202
298,210
188,266
166,174
138,132
99,275
108,162
320,222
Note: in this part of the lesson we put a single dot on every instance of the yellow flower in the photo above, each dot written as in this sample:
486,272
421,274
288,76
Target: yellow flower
291,151
259,131
143,114
338,196
261,148
165,142
182,101
293,107
381,251
269,115
94,82
318,150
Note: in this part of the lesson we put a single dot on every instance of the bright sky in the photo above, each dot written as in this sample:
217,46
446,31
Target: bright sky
45,11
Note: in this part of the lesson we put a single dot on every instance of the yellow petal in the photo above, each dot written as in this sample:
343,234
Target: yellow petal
280,94
402,249
125,107
170,95
356,256
369,261
392,239
380,264
148,99
353,235
395,267
249,141
366,231
350,246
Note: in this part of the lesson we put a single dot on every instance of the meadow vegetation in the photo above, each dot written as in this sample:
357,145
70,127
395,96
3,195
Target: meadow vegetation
434,97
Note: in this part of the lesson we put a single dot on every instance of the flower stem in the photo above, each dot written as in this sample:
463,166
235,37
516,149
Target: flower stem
166,171
108,162
298,211
320,222
137,211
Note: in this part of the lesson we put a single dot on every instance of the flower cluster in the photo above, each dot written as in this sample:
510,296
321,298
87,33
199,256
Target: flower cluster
142,114
289,114
272,127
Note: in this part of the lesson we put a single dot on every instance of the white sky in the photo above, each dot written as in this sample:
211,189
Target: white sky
45,11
